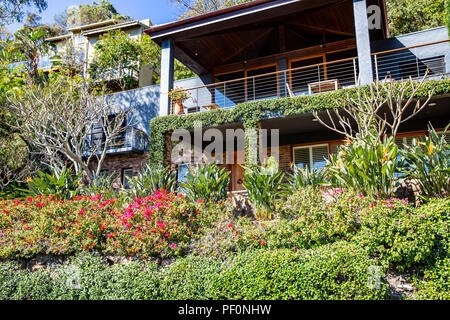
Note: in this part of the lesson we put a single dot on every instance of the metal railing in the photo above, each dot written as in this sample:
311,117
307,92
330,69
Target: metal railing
131,140
317,78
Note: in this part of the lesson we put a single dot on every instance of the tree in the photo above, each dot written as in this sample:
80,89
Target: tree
14,10
59,119
118,58
194,8
407,16
377,110
31,43
89,13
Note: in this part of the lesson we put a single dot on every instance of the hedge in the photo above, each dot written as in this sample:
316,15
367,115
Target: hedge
250,113
340,271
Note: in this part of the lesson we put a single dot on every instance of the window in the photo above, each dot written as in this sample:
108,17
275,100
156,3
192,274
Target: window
127,175
406,141
301,78
314,156
262,87
98,134
182,171
447,135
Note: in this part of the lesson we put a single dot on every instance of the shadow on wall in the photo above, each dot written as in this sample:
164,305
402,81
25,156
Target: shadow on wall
144,101
413,62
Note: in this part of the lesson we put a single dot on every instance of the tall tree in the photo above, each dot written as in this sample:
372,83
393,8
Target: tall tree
407,16
89,13
32,44
14,10
194,8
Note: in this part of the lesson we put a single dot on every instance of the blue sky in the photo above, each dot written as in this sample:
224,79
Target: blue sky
159,11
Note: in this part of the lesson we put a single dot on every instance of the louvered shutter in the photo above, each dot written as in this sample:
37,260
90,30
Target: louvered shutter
319,157
301,157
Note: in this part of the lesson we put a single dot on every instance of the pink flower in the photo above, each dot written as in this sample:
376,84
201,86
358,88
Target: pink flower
172,245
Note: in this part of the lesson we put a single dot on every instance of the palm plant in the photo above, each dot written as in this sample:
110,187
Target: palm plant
153,178
31,43
206,182
427,162
264,185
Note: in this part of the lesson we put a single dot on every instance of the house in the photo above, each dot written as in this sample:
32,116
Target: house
265,50
85,37
262,53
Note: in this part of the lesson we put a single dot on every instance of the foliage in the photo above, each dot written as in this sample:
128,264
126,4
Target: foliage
198,7
206,182
189,278
63,184
447,14
406,16
84,14
179,94
263,185
250,113
92,278
31,43
101,184
157,225
180,71
118,58
339,271
14,10
397,234
436,285
428,163
152,178
301,178
366,165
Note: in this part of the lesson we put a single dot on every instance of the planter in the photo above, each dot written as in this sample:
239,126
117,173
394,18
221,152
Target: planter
178,107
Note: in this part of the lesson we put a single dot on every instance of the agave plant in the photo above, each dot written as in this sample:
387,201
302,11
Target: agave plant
302,178
264,185
206,182
63,184
101,184
428,163
153,178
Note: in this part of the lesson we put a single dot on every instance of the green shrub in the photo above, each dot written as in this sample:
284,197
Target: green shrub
264,185
189,278
59,183
153,178
366,165
207,183
301,178
340,271
397,234
436,282
87,277
427,161
101,184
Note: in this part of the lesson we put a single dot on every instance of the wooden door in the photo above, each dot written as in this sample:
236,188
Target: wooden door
237,177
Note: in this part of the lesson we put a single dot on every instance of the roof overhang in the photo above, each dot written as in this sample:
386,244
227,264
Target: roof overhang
184,33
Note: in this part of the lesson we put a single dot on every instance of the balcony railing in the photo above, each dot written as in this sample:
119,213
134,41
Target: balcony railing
131,140
317,78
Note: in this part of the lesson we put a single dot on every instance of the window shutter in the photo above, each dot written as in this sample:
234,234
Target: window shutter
447,136
335,148
319,157
301,157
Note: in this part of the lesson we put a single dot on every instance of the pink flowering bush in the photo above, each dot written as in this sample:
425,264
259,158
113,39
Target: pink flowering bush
160,224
